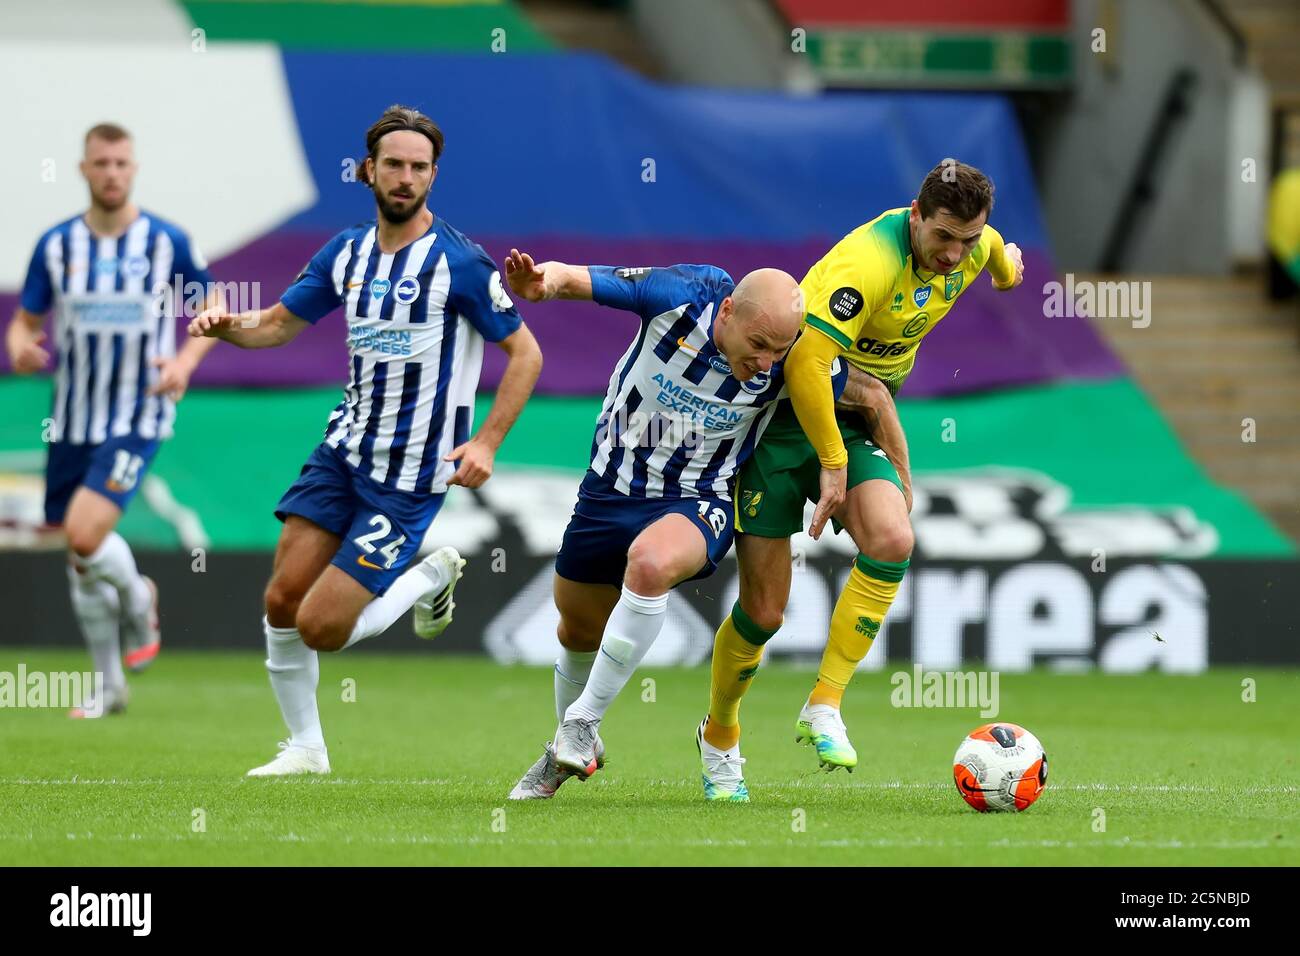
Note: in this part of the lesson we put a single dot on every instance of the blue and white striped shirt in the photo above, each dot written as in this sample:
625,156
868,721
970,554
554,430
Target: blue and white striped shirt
675,422
417,320
113,299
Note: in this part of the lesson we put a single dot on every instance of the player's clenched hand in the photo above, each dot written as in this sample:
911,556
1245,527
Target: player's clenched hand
173,379
211,323
30,357
476,458
1017,261
527,279
834,489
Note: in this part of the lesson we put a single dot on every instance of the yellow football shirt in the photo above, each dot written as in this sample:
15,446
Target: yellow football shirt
869,304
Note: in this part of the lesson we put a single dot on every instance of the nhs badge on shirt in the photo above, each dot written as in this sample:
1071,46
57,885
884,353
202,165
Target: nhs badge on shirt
719,364
106,267
379,288
921,296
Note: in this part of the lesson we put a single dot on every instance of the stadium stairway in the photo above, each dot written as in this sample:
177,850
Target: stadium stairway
607,29
1218,352
1270,28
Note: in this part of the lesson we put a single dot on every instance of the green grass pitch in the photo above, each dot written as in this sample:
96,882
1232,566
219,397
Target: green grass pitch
1184,771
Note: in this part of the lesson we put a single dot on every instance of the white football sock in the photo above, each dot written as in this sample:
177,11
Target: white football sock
379,615
295,672
115,563
95,604
630,631
572,668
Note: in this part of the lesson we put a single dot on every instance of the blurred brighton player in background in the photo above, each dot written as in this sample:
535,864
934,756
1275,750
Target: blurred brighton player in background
870,301
111,276
685,407
420,301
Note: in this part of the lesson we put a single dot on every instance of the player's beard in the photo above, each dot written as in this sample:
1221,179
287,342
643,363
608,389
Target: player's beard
398,216
110,205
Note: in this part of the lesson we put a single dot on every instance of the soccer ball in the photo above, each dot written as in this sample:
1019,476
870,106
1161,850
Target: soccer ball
1000,767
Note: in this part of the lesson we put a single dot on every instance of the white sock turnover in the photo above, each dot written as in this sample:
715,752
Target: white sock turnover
95,604
632,628
295,672
572,668
113,562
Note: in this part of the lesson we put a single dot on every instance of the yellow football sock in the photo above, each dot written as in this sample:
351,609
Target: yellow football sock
861,607
737,650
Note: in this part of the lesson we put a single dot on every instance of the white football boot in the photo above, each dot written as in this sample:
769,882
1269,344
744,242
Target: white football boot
822,726
575,747
293,760
142,635
92,708
544,777
433,609
720,770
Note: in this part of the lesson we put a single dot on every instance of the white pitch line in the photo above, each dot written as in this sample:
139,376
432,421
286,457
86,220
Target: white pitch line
505,840
444,781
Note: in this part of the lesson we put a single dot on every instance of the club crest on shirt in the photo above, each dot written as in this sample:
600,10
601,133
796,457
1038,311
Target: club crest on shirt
136,267
407,290
952,284
757,383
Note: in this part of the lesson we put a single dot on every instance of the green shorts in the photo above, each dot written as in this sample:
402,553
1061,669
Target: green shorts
784,473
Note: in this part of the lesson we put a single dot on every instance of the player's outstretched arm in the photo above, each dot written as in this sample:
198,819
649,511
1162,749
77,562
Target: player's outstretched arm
869,397
1006,264
259,329
540,281
523,366
23,340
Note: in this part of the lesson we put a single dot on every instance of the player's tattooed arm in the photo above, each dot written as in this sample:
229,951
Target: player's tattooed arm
540,281
23,340
258,329
869,397
523,366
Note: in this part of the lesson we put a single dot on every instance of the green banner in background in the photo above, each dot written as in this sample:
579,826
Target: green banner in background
314,25
1082,458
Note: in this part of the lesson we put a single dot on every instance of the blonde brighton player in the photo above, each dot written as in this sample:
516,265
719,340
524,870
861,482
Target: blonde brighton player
111,277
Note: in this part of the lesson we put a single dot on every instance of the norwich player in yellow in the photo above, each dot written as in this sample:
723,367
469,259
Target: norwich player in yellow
871,299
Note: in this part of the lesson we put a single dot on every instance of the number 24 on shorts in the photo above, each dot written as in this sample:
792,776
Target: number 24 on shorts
715,519
390,551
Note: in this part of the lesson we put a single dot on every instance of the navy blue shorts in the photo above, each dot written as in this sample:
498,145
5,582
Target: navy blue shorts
113,468
605,523
381,528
